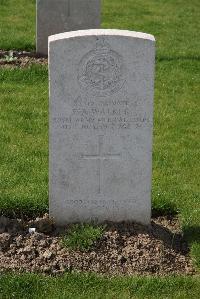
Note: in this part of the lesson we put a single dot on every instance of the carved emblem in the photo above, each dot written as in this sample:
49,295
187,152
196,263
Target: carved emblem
101,71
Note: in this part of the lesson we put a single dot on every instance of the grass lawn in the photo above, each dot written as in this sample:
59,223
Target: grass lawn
24,141
17,24
176,156
82,286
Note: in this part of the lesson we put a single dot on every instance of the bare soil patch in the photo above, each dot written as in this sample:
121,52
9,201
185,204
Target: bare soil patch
124,249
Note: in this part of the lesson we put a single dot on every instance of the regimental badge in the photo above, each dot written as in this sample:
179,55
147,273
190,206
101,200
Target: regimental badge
101,71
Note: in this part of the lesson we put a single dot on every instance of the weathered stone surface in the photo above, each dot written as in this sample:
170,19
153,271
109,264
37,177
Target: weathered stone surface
101,118
56,16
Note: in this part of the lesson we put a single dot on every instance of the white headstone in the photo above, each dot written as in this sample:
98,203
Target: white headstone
101,119
56,16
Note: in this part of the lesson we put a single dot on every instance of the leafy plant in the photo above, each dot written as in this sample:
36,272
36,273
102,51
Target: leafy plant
10,57
82,236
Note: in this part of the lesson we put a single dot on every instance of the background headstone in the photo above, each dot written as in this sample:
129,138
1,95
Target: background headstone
56,16
101,118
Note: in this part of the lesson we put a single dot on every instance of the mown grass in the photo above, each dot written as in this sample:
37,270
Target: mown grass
24,141
176,156
175,24
82,286
17,24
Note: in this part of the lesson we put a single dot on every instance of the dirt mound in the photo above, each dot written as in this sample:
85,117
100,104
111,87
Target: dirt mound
123,249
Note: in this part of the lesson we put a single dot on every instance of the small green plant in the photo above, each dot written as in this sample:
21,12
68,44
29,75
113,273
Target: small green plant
10,57
82,236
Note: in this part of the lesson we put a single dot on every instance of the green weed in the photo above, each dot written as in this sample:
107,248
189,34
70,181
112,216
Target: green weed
82,236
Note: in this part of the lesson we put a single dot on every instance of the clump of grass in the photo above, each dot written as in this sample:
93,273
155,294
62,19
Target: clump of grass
82,236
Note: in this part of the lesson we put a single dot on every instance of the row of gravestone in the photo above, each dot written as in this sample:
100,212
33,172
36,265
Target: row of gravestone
101,116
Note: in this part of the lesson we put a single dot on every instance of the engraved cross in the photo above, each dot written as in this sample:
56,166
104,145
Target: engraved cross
100,156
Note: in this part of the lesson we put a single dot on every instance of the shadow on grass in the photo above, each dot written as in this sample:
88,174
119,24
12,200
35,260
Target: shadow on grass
27,210
167,209
188,240
177,58
192,233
